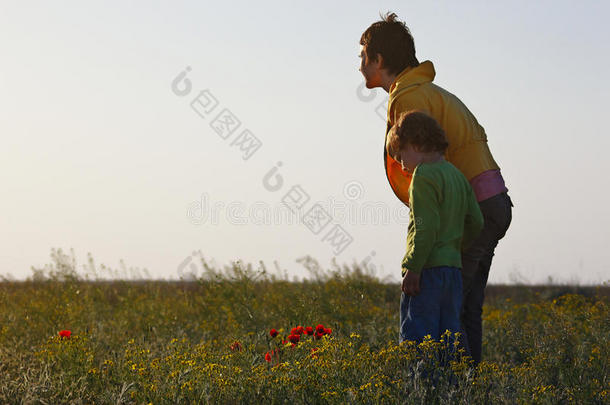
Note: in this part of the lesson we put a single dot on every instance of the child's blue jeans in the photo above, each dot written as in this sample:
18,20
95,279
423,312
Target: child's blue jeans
436,308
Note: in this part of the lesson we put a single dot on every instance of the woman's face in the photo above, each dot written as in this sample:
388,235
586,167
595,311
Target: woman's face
371,70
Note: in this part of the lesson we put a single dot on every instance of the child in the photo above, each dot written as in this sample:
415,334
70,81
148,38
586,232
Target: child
444,218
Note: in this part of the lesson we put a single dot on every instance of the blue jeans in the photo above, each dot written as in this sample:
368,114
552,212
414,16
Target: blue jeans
436,308
476,261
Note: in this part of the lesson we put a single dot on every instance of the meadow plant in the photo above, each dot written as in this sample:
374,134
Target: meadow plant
239,335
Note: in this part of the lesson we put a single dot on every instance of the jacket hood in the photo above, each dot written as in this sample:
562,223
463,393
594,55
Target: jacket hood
423,73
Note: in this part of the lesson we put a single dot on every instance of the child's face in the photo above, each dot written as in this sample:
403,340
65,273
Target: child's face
410,156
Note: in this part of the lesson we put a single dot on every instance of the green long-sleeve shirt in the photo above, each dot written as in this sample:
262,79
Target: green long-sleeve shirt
444,218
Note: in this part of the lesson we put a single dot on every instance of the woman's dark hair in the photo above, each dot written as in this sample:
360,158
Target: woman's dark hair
416,128
392,39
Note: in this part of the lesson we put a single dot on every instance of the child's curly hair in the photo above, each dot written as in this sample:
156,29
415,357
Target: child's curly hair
416,128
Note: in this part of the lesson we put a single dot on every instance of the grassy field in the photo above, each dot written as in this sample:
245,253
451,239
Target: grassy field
209,341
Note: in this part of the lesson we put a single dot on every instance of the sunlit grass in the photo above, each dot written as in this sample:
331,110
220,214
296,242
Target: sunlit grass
206,341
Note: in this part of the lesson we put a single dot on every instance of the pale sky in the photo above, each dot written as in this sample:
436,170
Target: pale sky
98,153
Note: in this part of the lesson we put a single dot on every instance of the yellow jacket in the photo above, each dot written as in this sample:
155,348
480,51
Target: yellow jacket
468,151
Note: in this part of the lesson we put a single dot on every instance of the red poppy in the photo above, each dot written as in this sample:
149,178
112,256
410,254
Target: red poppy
318,335
309,330
294,338
236,346
65,333
328,331
268,357
300,330
273,333
320,329
294,331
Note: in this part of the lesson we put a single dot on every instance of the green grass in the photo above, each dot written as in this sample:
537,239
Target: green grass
170,342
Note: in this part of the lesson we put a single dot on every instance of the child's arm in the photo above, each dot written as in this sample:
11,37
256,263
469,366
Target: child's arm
425,223
473,222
